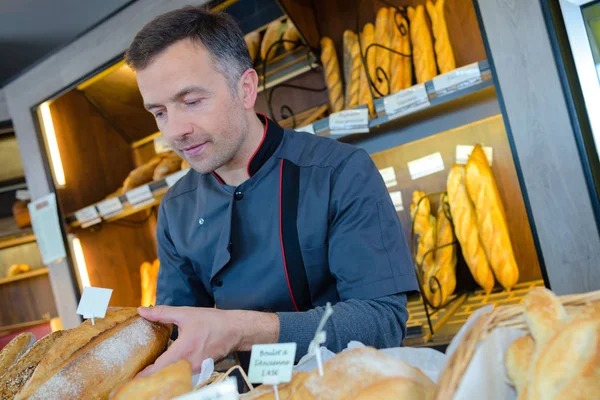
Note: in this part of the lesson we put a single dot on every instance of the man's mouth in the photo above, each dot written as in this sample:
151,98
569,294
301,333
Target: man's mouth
191,151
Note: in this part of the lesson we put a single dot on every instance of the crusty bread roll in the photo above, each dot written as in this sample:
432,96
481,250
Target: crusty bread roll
83,363
466,229
273,33
167,166
292,34
19,373
400,66
333,76
352,68
443,47
517,360
253,43
141,175
383,33
165,384
422,45
491,220
17,269
14,350
362,371
544,313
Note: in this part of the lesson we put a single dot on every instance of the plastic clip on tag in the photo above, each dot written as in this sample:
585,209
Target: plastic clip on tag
320,338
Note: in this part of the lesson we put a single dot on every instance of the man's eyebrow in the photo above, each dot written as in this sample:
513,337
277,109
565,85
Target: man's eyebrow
183,92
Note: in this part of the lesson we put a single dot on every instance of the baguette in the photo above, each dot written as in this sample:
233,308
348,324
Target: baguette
445,256
400,65
292,34
544,314
19,373
517,361
443,47
273,33
167,166
420,211
367,37
14,350
422,45
122,341
465,227
165,384
493,229
352,68
141,175
253,43
382,56
332,74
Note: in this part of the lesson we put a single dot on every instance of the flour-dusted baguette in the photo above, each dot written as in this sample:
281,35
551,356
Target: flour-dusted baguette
333,77
352,68
491,219
382,56
253,43
422,45
290,34
466,229
443,47
83,363
165,384
19,373
273,33
14,350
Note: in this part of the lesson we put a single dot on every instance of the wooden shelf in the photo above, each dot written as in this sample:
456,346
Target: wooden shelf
26,275
16,240
4,330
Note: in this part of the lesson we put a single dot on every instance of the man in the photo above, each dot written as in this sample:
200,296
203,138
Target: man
271,224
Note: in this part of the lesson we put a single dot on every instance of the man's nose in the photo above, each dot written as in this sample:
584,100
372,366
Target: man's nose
177,126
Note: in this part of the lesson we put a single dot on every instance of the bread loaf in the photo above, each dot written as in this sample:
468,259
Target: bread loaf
445,255
167,166
443,47
17,269
19,373
367,37
253,43
352,68
383,33
466,228
491,220
290,34
400,65
273,33
286,390
333,76
83,363
165,384
14,350
141,175
517,360
544,313
420,210
422,45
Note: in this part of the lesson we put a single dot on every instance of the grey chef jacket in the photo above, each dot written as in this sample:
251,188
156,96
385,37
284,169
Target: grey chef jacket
313,224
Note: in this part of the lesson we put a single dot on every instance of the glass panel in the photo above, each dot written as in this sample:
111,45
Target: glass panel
591,17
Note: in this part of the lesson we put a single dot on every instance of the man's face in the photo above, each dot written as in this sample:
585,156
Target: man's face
194,107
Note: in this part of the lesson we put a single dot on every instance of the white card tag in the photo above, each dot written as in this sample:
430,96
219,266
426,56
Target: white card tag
160,145
94,302
139,196
397,200
308,129
458,79
427,165
406,101
110,207
272,361
389,176
350,121
173,178
224,390
45,225
463,153
88,216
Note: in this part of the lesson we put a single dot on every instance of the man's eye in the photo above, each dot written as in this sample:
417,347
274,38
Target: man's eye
159,115
192,103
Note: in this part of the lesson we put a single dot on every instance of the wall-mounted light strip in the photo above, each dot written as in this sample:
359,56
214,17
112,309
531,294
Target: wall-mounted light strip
57,168
80,261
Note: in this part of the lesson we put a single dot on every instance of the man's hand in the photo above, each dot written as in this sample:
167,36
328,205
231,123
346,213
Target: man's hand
210,333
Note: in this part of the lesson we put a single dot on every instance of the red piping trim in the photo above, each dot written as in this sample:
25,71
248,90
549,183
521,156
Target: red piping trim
218,178
287,276
259,146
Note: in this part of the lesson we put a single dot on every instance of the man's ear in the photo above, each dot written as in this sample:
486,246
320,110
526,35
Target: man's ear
249,88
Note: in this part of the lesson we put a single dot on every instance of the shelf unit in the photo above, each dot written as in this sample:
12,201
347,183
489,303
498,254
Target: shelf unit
12,240
26,275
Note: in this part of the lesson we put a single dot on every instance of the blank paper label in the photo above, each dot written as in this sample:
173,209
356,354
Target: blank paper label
425,166
87,216
389,176
110,207
406,101
397,200
139,196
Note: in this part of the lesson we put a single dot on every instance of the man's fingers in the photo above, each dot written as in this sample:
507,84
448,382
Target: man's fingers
173,354
164,314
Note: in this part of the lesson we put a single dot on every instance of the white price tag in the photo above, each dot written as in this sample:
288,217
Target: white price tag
87,217
139,196
427,165
44,221
406,101
224,390
160,145
273,362
94,302
308,129
397,200
110,207
463,153
389,176
173,178
458,79
349,121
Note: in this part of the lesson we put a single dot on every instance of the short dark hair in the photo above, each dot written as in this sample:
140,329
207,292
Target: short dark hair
218,32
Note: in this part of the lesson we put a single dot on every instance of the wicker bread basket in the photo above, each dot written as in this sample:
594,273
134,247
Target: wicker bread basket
503,316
